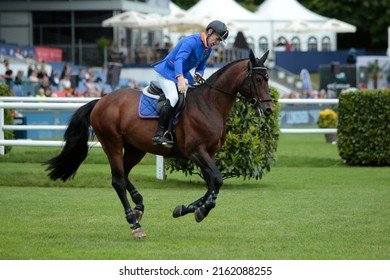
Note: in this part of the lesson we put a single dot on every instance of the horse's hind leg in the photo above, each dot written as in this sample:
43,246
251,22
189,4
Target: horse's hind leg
114,154
131,158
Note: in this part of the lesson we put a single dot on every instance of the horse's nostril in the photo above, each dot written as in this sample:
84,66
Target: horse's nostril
268,111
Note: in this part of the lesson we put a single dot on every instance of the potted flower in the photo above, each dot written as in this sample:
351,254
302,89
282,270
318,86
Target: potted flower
328,119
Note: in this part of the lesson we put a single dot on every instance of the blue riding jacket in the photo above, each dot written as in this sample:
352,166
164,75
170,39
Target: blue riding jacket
189,53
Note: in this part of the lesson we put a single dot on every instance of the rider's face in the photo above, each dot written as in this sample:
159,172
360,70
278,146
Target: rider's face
213,40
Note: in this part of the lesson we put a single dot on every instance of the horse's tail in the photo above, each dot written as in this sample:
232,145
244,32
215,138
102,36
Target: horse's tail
65,165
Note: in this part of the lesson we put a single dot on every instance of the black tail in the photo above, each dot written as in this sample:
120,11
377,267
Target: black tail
75,150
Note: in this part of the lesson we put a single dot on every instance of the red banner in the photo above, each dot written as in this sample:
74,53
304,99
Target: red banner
48,54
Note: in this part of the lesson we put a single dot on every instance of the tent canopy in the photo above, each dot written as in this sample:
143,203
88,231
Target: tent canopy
286,10
227,9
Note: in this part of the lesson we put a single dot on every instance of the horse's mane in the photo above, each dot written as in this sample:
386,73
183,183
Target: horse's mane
219,72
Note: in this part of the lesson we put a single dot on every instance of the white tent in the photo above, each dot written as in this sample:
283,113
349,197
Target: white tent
134,19
285,11
226,9
276,14
233,14
338,26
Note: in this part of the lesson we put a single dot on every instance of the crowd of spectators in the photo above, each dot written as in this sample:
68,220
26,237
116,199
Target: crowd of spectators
311,94
37,81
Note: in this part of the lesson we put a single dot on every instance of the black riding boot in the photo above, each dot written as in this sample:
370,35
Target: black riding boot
163,122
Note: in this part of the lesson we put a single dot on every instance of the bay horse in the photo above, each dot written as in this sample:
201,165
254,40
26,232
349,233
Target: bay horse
199,134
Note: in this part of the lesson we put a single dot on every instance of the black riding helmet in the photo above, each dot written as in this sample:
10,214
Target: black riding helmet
220,28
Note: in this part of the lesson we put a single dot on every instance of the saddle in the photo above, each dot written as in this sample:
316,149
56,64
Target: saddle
151,102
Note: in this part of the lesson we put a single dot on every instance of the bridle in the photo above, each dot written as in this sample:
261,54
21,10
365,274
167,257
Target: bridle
253,101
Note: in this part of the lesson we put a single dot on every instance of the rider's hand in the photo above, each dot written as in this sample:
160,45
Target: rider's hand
182,84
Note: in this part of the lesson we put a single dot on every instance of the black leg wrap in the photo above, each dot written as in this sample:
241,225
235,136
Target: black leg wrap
210,201
135,226
130,217
201,213
179,211
136,197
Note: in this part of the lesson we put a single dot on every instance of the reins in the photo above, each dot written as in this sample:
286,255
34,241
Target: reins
253,101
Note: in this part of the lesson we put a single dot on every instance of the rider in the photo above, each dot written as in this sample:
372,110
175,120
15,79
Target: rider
173,72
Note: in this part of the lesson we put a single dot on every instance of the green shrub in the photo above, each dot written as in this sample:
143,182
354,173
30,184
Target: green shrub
250,144
364,127
8,119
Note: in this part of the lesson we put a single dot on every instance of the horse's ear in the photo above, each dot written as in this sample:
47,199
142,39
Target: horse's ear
252,56
264,57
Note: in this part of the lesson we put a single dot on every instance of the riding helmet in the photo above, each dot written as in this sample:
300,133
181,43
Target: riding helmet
220,28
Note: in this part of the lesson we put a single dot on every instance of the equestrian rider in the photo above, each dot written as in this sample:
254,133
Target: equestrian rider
173,72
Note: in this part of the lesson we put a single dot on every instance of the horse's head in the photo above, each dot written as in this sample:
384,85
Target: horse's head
254,87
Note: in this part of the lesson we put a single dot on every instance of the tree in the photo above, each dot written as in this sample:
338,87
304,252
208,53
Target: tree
250,147
372,18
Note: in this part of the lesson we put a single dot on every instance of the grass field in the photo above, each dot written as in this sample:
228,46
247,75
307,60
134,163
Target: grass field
310,206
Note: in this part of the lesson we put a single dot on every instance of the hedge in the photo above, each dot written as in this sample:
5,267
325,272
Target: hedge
250,146
8,119
364,127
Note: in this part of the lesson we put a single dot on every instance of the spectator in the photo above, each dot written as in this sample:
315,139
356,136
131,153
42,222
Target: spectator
19,79
30,69
351,57
40,93
323,94
66,71
54,80
114,52
8,75
81,75
123,51
48,92
42,70
33,78
93,89
45,83
66,86
19,54
288,46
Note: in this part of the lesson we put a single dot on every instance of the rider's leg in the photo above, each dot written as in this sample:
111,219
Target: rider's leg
170,90
163,122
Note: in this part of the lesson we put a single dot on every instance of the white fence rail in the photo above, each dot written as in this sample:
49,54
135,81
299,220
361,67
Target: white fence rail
74,103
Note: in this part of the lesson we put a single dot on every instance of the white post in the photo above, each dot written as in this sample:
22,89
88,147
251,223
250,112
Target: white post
1,130
160,168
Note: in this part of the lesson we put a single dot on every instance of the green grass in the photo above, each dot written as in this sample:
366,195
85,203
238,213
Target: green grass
310,206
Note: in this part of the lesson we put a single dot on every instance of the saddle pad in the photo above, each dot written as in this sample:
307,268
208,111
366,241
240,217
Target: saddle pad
147,107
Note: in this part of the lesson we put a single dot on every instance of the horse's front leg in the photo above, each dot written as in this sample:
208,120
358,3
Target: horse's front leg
213,177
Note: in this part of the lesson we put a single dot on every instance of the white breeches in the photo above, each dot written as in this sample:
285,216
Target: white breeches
169,88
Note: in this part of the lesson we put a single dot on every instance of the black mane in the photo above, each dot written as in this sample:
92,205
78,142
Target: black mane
219,72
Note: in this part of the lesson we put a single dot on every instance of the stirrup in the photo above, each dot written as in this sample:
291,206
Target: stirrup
167,139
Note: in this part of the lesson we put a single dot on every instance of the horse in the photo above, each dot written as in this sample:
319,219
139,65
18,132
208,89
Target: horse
199,134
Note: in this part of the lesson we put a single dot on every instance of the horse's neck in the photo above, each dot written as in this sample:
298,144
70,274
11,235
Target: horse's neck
221,93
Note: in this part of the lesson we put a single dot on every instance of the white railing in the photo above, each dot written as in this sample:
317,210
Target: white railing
74,103
37,103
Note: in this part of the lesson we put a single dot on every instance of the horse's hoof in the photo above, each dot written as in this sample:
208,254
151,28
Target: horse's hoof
178,211
200,214
138,233
138,215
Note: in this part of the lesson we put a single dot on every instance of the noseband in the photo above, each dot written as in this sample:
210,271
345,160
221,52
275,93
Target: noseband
254,101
